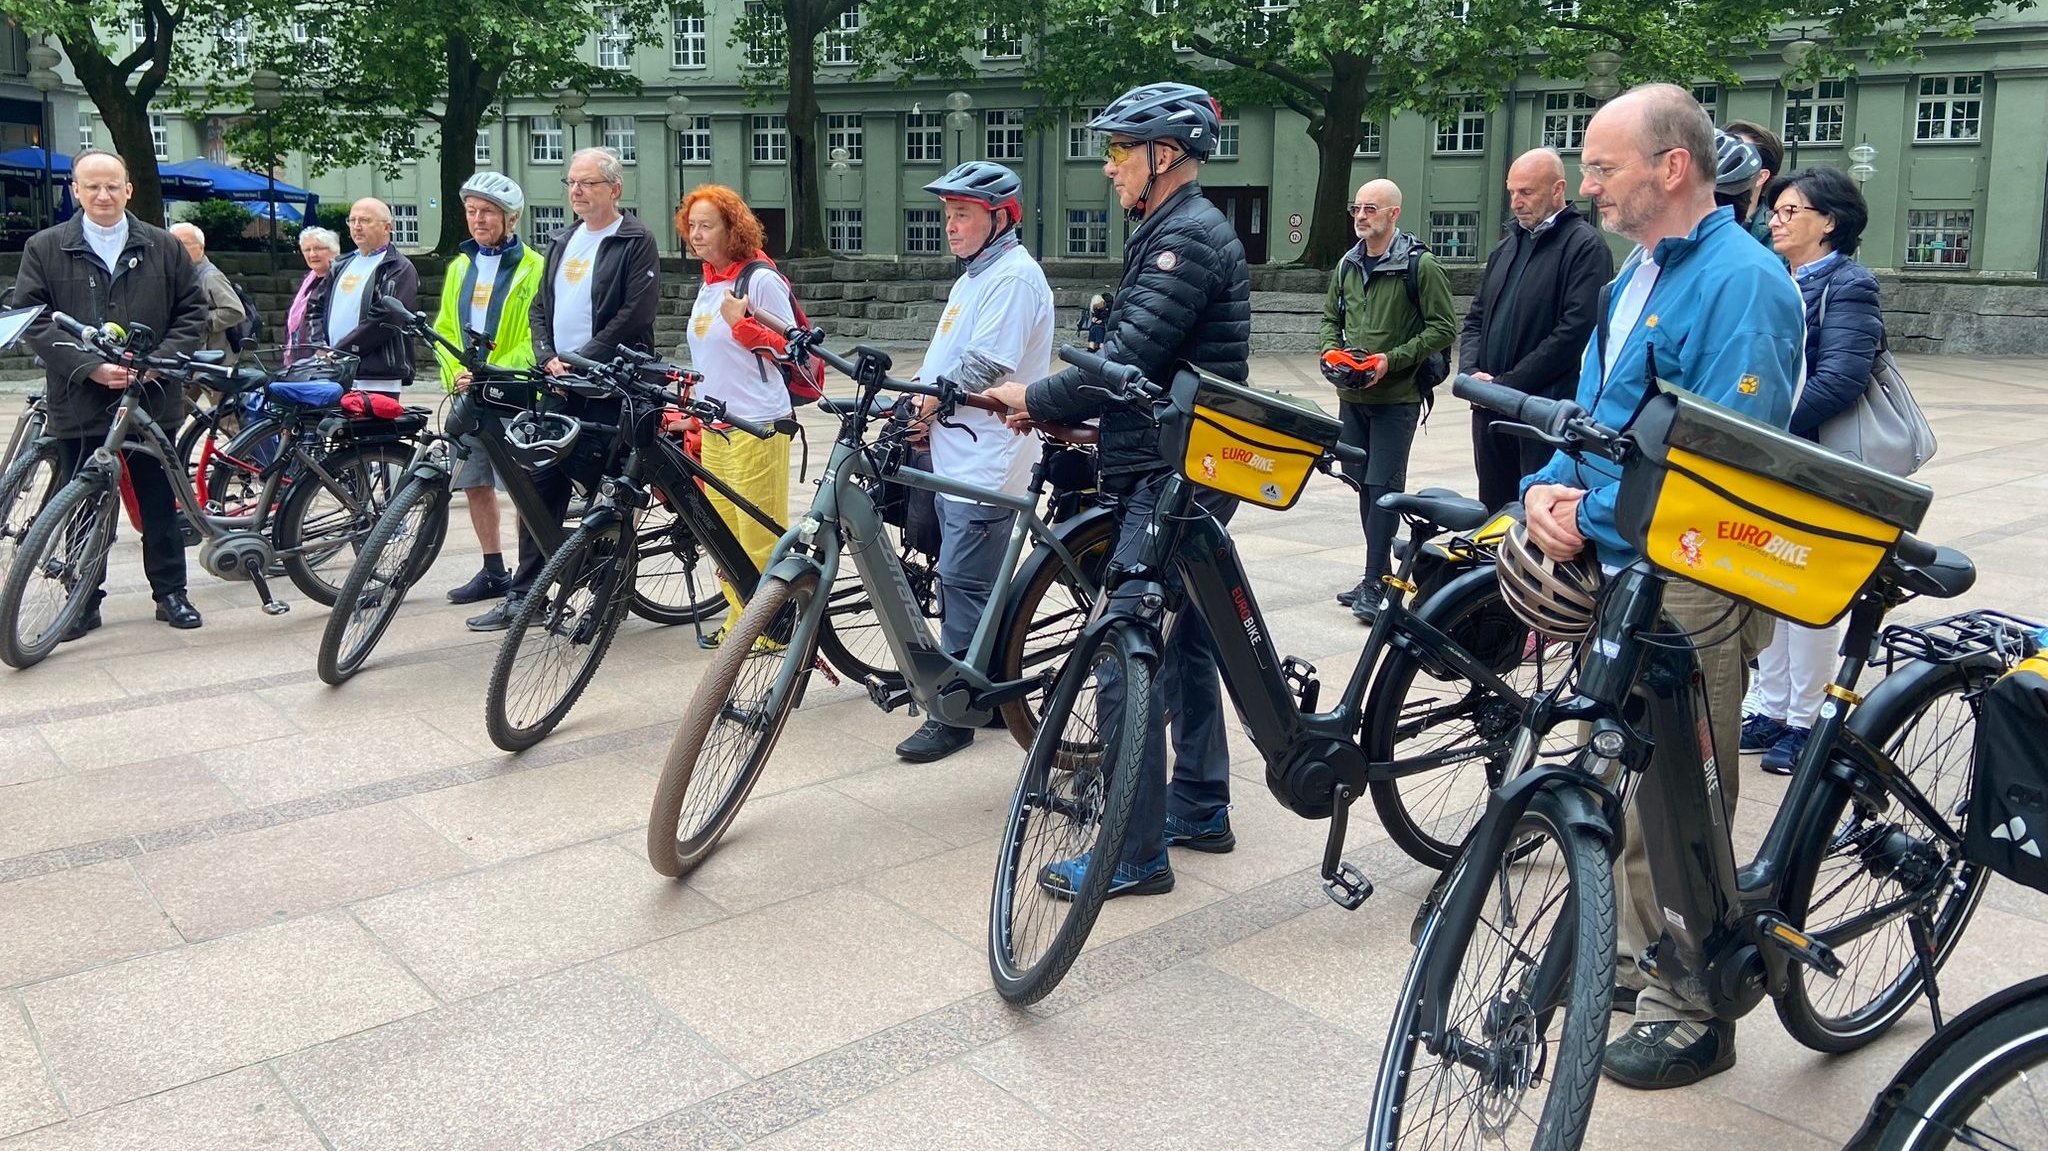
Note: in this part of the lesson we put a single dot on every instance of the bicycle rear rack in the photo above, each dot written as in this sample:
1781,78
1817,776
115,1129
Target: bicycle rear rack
1955,638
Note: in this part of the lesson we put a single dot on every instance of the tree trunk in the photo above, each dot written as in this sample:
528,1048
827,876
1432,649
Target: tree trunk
1336,134
127,117
469,97
806,229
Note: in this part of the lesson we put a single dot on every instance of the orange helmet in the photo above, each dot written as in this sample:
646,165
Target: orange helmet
1353,367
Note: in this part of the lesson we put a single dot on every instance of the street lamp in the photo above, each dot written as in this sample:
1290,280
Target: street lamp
679,122
266,92
1795,56
1602,68
573,114
1860,167
42,76
958,120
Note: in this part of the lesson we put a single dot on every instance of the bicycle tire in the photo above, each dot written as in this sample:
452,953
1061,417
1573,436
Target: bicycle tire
575,607
1926,722
730,728
1464,729
67,548
1496,999
852,640
411,530
316,540
26,488
1074,795
233,478
1951,1103
1037,637
672,561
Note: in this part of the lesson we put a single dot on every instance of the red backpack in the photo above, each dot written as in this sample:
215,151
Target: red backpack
806,381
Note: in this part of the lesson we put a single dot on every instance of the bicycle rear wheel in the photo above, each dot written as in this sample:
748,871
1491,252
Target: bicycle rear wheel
1052,608
323,523
1074,797
732,724
559,635
672,563
26,488
1526,1019
399,551
853,641
234,472
58,569
1987,1089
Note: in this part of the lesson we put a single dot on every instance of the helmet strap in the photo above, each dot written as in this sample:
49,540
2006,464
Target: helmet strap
1138,209
1001,238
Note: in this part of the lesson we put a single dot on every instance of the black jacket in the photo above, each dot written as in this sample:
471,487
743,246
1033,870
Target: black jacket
1553,311
153,285
1186,295
624,295
1840,346
384,350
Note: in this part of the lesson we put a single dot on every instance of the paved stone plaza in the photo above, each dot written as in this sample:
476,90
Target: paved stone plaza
241,909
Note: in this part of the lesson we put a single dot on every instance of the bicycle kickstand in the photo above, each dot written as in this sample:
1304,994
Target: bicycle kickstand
1923,947
1346,886
271,604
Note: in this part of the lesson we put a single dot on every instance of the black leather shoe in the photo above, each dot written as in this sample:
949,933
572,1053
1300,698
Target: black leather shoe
176,610
934,741
482,586
1347,598
80,627
498,618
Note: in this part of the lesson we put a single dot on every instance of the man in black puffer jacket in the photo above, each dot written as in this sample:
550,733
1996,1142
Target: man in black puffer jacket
1185,295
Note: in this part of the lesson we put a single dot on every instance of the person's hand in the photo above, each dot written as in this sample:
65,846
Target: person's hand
1010,394
555,366
463,379
733,309
1552,513
112,376
1482,377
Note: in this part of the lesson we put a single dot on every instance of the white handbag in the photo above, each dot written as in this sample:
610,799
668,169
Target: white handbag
1885,427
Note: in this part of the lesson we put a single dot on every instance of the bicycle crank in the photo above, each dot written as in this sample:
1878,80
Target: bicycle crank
243,556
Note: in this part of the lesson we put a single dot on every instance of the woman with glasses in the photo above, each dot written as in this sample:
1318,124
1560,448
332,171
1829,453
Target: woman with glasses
1817,220
304,325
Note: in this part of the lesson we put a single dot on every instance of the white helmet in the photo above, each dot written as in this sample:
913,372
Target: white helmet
498,188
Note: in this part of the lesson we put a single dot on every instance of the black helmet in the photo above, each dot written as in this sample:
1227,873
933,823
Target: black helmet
980,182
1179,112
538,439
1736,163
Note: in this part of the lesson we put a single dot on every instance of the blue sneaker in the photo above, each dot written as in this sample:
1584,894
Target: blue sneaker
1212,835
1061,879
1759,732
1784,753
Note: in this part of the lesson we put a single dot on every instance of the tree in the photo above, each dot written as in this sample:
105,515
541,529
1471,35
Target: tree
780,40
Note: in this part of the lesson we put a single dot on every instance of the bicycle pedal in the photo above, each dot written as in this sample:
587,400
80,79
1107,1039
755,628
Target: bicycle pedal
1801,946
1348,887
886,697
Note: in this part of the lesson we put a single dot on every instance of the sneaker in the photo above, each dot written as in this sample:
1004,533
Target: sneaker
1347,598
1784,753
482,586
1212,835
1061,879
498,618
1759,732
712,641
934,741
1653,1056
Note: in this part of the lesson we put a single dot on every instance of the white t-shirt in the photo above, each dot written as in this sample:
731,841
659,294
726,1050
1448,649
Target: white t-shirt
352,283
480,296
1002,315
750,387
573,321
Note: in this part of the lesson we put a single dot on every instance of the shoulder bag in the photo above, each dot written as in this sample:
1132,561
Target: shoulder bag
1885,429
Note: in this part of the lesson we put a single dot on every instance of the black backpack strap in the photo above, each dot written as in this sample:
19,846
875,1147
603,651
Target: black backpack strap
739,282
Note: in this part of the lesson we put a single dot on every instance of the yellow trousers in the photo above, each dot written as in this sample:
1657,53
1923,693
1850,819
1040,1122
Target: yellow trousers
759,471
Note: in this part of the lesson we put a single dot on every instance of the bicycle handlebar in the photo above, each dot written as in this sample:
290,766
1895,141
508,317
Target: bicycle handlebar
1124,376
110,342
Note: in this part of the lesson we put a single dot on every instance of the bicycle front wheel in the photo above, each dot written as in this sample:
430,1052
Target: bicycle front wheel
399,551
676,582
1526,1018
559,635
26,488
732,724
853,640
1988,1088
324,522
57,570
1073,800
1052,608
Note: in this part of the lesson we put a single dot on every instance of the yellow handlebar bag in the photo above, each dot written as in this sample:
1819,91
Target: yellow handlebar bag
1258,446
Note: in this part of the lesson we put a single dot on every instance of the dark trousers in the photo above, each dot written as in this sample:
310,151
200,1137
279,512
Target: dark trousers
163,544
553,486
1502,460
1386,432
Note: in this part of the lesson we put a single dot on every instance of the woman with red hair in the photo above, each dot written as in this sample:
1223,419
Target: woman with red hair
729,345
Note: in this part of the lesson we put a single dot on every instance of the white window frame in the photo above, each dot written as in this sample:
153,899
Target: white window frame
1082,143
845,130
839,40
1003,134
1370,140
924,232
769,139
234,37
1465,133
1454,236
924,138
159,136
622,135
693,144
85,129
405,225
1950,109
1931,235
544,220
1561,9
1825,109
544,139
689,45
1087,232
483,147
1565,116
769,55
846,230
403,144
1002,42
1161,9
1229,138
614,40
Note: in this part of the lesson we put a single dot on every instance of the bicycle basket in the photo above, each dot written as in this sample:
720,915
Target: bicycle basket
1757,514
1257,446
2007,825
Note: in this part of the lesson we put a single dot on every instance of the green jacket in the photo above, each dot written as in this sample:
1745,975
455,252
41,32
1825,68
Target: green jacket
1377,317
519,278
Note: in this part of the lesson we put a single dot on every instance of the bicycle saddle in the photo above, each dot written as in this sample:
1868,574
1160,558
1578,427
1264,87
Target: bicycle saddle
1440,506
210,356
1948,575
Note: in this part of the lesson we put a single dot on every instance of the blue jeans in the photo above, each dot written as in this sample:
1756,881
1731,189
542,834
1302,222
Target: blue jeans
972,538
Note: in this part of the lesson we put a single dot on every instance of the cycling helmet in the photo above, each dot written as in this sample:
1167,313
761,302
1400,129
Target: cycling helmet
980,182
1557,599
498,188
538,439
1353,367
1179,112
1736,163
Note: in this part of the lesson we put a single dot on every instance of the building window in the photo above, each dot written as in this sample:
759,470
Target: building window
1368,138
234,39
843,230
1087,232
1951,108
405,224
1938,238
924,138
1083,144
1161,9
768,47
843,130
1464,131
1565,116
1461,11
924,231
1226,140
1003,42
771,139
1003,138
1562,9
693,144
138,31
840,38
1261,16
544,139
1454,235
621,135
402,145
542,221
686,46
614,40
84,129
1815,115
1709,97
483,147
159,136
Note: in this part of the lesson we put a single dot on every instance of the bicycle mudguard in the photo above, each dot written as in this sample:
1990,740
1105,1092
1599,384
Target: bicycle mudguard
1937,1044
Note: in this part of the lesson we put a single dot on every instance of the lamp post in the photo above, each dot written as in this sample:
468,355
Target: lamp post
679,122
573,115
1795,55
1860,167
266,92
1602,69
958,120
42,76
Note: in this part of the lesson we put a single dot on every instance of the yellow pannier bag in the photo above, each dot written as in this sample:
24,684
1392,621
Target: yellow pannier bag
1255,445
1757,514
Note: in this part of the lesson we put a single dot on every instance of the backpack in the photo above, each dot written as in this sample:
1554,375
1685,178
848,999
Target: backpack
250,330
806,381
1435,368
2006,826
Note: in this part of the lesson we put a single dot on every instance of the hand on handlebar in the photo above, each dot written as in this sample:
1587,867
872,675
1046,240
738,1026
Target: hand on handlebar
1010,394
1552,513
113,376
555,367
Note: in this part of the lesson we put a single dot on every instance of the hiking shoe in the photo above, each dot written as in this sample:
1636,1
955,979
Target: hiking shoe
1759,732
1362,587
934,741
1784,753
498,618
1653,1056
482,586
1212,835
1061,879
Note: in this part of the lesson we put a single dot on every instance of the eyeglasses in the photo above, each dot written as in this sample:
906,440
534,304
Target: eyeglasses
1118,151
101,189
1600,173
1362,209
586,185
1787,212
354,220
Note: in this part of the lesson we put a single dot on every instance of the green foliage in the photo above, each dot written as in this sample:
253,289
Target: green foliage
223,221
334,218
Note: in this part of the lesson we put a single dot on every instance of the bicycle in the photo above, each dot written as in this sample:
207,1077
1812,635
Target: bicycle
762,670
1859,891
1079,780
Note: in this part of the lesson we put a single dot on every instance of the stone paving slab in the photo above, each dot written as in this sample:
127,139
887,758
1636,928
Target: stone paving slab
240,908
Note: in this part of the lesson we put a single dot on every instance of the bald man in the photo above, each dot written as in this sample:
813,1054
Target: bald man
374,270
223,307
1535,309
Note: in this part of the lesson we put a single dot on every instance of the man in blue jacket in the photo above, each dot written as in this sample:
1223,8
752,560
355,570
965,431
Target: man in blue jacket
1717,315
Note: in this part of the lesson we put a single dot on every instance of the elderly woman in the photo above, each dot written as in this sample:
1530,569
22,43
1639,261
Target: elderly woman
1817,219
303,324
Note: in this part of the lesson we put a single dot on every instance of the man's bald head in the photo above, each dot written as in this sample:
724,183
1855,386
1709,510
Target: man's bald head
1648,163
1664,118
99,182
369,223
1375,211
1535,186
1388,192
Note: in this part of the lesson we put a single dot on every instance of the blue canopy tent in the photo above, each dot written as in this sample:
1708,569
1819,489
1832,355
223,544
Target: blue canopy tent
27,164
252,188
